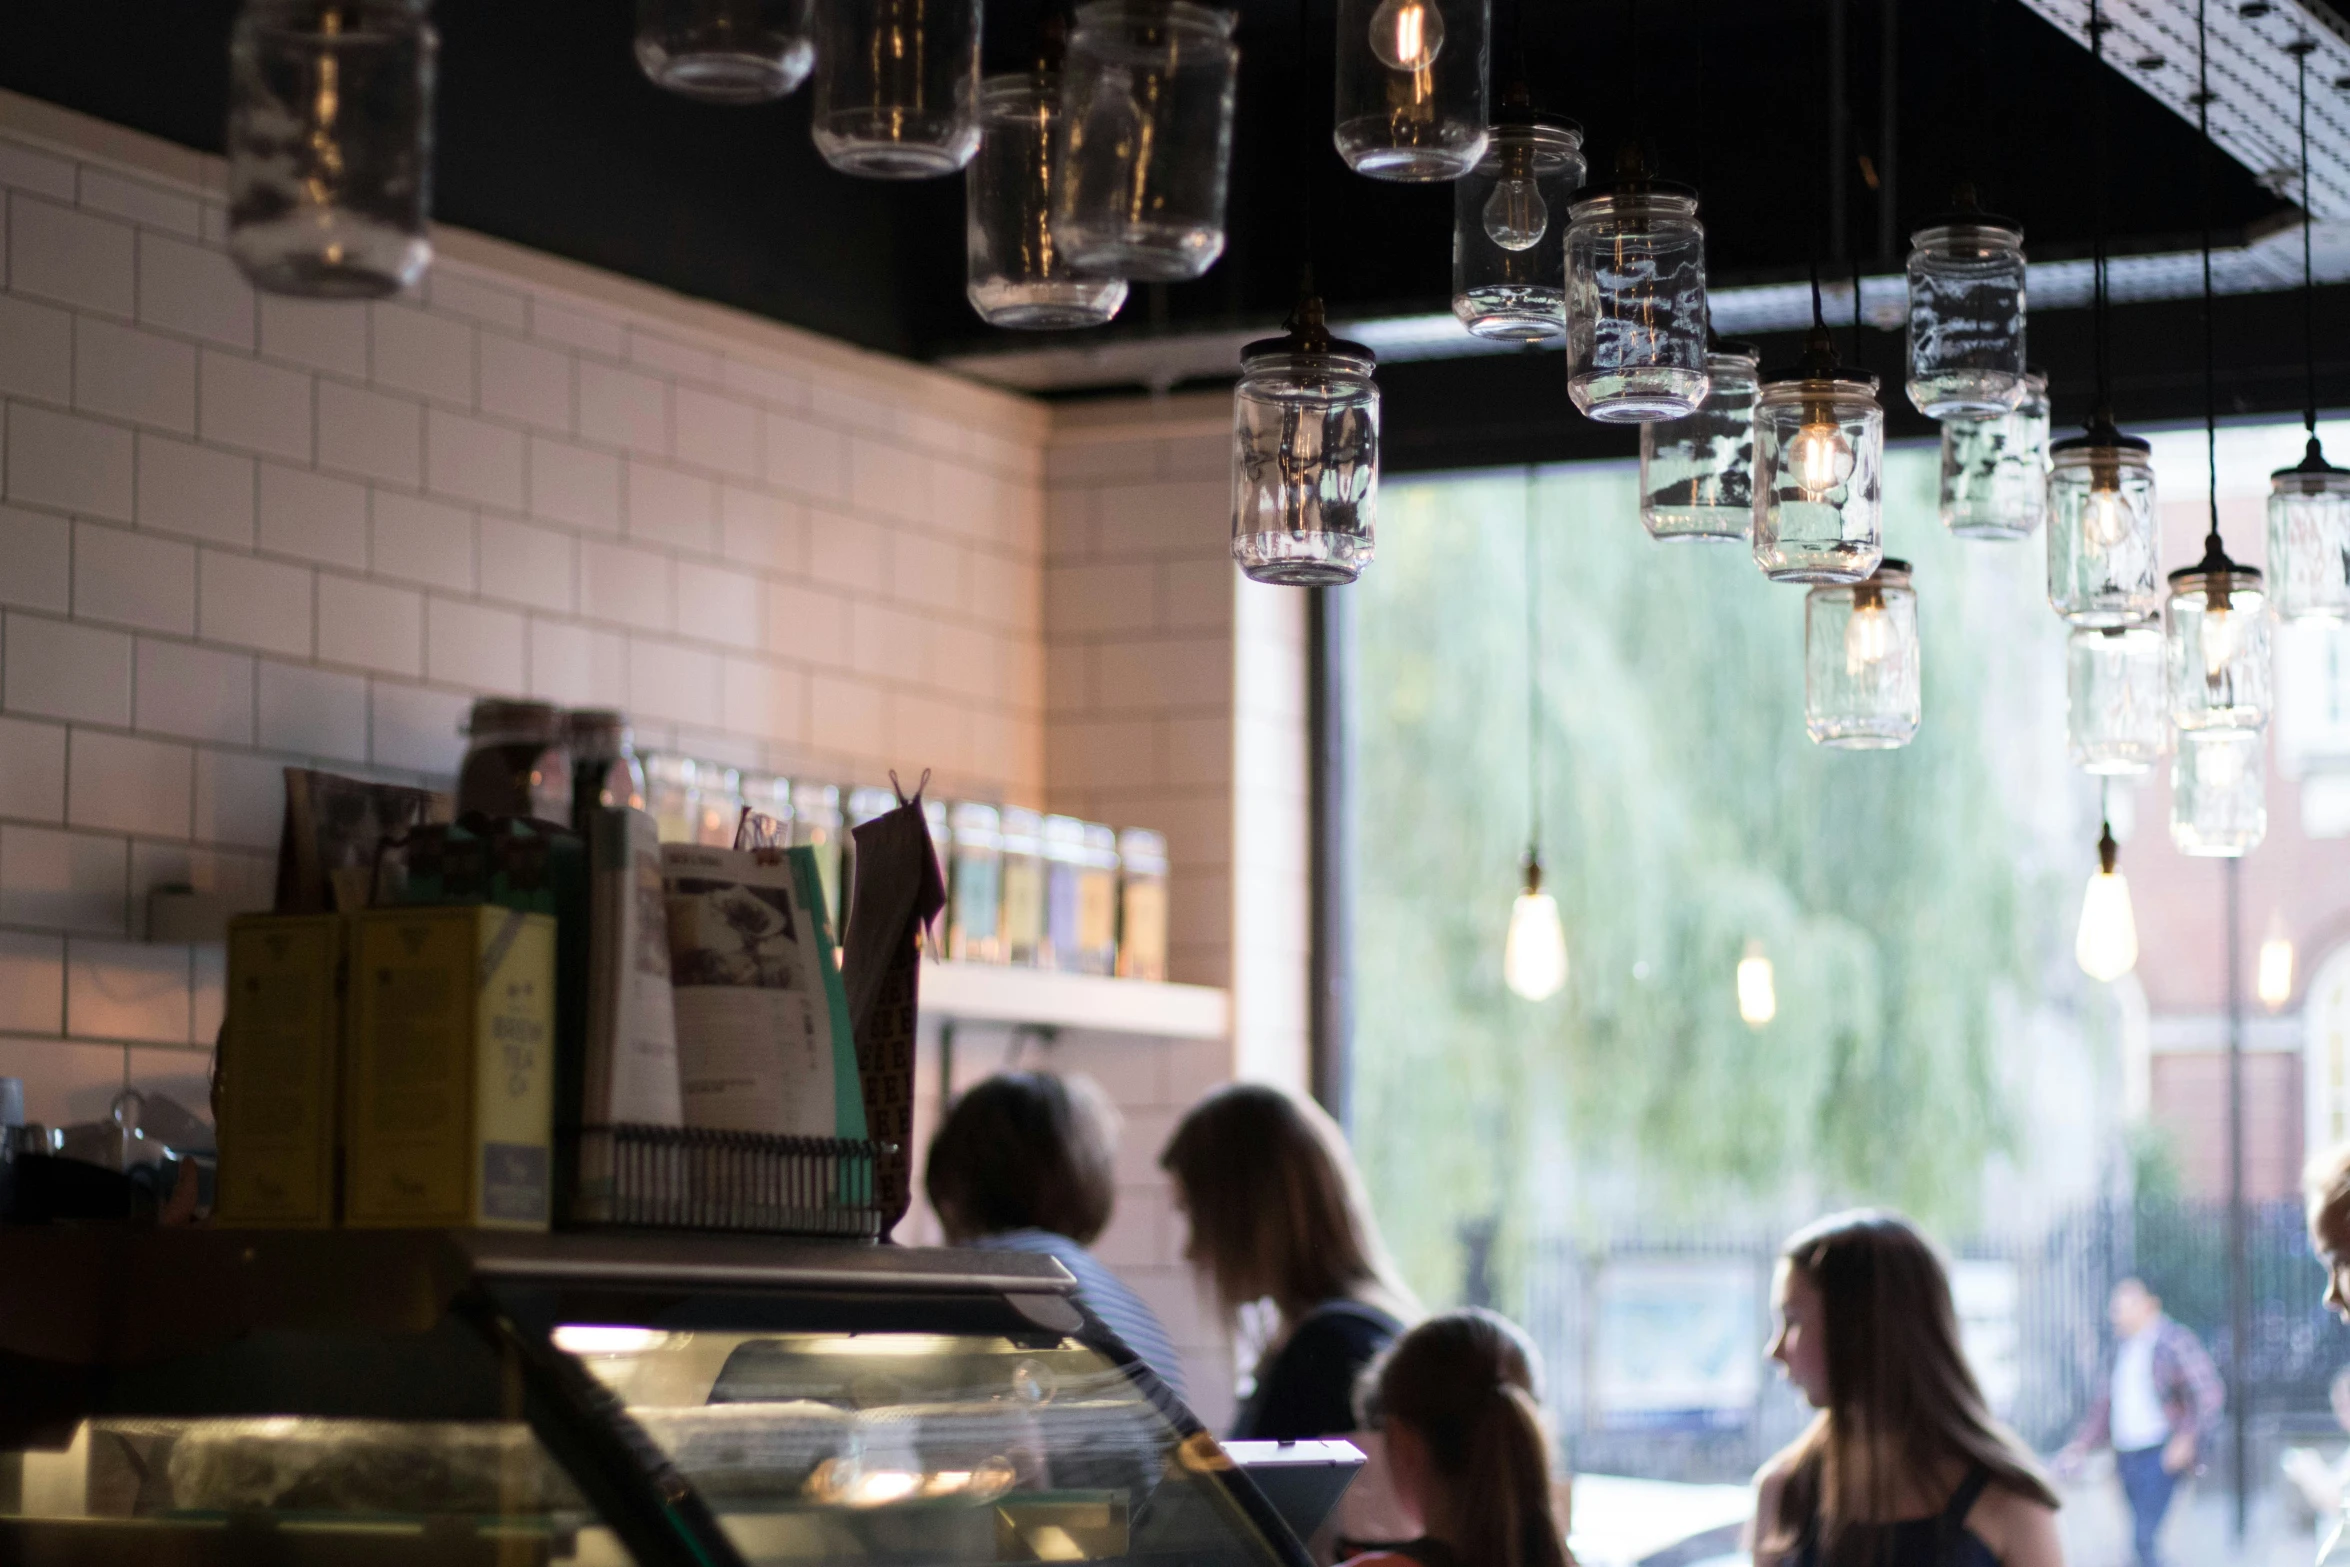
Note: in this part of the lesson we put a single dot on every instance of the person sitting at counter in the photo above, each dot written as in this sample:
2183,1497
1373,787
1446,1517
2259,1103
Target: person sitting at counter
1278,1214
1026,1161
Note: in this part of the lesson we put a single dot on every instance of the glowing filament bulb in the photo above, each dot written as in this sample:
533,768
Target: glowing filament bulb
1534,955
2105,521
1868,635
1820,456
1758,991
2275,982
1516,216
1406,34
2222,636
2107,945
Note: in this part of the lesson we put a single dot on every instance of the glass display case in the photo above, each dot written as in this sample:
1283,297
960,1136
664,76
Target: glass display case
444,1398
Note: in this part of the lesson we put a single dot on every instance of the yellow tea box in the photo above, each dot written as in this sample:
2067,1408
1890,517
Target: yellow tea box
280,1067
449,1116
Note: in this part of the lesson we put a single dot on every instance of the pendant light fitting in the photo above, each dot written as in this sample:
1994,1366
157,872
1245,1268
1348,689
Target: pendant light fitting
1819,443
1534,954
2309,503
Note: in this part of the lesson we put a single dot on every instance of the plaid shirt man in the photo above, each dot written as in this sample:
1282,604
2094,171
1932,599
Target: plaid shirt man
2184,1379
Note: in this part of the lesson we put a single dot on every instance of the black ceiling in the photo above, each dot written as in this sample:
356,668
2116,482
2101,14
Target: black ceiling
549,136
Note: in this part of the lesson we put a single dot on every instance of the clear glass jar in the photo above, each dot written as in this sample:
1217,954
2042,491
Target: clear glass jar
1142,904
1064,866
895,81
1966,317
1995,470
1861,686
1697,472
1819,452
1096,948
975,884
816,824
1509,229
605,773
1146,107
2219,792
1023,922
515,763
2217,629
2101,530
1305,457
669,796
1019,274
717,804
726,51
2117,701
330,145
1411,87
770,796
2309,538
1636,303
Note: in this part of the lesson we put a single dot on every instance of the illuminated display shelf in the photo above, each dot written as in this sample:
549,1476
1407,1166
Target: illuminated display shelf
989,993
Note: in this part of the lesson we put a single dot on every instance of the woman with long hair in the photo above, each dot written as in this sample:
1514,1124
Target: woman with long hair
1903,1466
1458,1403
1278,1214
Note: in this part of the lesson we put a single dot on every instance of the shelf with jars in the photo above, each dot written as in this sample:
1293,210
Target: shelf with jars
992,993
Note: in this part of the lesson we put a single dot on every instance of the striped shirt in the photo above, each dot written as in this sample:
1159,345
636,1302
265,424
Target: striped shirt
1105,1295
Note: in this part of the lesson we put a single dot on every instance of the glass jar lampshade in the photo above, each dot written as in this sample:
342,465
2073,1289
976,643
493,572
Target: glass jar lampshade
2309,538
1305,456
330,145
1819,453
1995,469
1019,273
1636,299
1509,231
1146,110
2217,628
2101,528
2117,707
2219,792
1411,87
895,81
1697,472
1861,687
1966,314
726,51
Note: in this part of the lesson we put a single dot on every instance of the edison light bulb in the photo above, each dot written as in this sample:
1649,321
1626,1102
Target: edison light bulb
2107,946
2105,521
1534,957
2222,636
1758,991
1406,34
2275,981
1868,636
1516,215
1819,457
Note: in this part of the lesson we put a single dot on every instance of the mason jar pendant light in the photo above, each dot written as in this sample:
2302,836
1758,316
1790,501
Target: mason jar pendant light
726,51
1819,451
1534,954
1966,313
2219,792
895,86
1995,470
1697,472
1509,229
1636,298
2106,946
2309,503
2117,708
1411,87
1860,662
1019,275
2101,524
1305,455
1146,107
330,145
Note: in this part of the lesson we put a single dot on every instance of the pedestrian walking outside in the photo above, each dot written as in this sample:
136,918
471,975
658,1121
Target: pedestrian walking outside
2159,1400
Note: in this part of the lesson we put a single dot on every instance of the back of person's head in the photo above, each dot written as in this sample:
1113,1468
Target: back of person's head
1901,1399
1025,1151
1276,1206
2326,1186
1469,1385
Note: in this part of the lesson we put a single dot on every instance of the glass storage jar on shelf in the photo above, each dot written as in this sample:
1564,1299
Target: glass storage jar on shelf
1995,469
2219,792
816,824
2101,529
770,796
1305,456
515,761
1636,312
2117,704
1861,685
975,884
605,773
1023,922
717,804
1509,230
1096,949
894,86
2217,627
1064,870
1697,472
1019,272
330,145
669,795
1411,87
1819,451
1142,904
726,51
2309,538
1966,314
1146,110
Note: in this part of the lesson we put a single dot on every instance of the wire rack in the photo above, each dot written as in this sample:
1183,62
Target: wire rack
692,1178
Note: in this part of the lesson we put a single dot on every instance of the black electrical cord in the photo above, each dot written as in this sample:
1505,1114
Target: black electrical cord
1533,684
2301,48
2203,216
2104,411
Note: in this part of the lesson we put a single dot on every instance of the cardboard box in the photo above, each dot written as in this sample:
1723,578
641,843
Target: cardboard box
448,1121
280,1072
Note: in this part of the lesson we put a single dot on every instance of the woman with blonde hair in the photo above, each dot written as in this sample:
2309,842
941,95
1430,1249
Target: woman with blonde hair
1458,1404
1903,1466
1278,1214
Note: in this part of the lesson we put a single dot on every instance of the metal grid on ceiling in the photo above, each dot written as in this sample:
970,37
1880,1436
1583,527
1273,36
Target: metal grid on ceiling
2254,108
